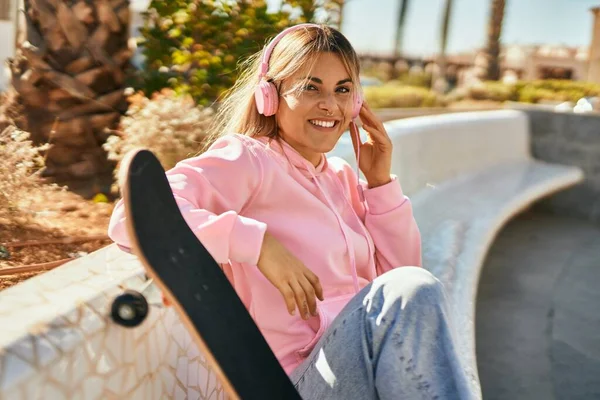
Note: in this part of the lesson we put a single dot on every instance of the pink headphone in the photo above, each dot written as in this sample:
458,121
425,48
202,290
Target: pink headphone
265,94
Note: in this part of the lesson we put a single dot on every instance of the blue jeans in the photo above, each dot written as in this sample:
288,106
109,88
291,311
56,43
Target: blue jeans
393,340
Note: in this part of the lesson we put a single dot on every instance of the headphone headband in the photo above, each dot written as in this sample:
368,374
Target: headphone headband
266,95
267,98
264,65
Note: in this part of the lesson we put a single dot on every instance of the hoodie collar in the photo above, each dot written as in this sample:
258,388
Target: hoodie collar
292,156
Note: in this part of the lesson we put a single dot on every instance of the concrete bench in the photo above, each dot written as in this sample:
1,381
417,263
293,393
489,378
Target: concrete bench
467,174
58,341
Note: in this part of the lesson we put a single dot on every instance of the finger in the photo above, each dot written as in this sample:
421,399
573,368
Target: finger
373,134
309,291
300,299
289,298
367,119
355,136
316,284
377,134
368,107
370,117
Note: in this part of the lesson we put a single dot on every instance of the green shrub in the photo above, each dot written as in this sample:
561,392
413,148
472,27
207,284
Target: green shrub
495,91
527,91
530,94
194,46
377,71
419,79
556,90
588,88
395,95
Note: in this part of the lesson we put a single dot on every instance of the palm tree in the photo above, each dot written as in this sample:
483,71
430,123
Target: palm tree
309,8
443,43
68,81
493,41
400,27
335,10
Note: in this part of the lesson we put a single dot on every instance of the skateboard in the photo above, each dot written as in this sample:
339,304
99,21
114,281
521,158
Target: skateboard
195,285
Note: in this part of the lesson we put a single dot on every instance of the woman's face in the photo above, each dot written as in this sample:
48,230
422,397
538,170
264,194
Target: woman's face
313,119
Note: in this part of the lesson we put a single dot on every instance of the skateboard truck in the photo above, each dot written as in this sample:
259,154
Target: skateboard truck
131,308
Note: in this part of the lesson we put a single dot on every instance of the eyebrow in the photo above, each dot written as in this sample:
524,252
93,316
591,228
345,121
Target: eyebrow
315,79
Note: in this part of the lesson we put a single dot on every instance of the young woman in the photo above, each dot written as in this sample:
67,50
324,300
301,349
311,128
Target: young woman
327,266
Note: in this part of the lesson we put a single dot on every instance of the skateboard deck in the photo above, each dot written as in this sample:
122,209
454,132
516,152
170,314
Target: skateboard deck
195,285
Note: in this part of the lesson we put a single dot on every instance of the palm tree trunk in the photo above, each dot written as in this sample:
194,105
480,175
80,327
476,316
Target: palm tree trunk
400,28
493,45
340,19
335,8
68,81
441,79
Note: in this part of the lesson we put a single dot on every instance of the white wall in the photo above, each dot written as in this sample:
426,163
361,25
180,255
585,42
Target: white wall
7,50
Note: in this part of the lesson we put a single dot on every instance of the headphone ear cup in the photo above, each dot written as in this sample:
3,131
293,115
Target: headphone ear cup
357,104
266,98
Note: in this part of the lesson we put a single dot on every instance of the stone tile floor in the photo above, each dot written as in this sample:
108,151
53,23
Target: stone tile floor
538,311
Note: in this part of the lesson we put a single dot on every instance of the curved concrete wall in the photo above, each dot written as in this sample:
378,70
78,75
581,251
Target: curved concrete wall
57,340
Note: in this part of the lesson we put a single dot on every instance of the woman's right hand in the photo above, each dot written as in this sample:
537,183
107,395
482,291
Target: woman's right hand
298,284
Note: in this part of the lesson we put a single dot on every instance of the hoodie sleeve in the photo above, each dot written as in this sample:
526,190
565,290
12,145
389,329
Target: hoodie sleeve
211,190
388,216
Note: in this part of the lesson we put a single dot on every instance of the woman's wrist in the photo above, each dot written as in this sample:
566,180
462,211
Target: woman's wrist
376,182
266,243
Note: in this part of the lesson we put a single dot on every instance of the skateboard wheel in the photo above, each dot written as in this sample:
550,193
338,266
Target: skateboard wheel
129,309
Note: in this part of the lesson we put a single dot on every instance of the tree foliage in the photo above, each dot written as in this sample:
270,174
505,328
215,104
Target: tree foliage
194,46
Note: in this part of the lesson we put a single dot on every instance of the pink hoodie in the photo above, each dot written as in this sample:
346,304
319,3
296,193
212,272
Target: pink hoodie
241,186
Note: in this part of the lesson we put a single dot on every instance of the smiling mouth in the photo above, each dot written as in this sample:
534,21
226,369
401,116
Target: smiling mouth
323,124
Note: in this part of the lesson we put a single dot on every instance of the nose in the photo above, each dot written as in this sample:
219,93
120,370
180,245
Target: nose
327,102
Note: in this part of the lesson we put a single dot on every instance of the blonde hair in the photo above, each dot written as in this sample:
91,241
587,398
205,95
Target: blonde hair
296,50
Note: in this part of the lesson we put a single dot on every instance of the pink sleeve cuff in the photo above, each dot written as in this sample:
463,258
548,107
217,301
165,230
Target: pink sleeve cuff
385,198
246,240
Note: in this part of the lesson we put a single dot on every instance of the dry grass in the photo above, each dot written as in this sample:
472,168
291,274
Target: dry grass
31,209
19,163
173,127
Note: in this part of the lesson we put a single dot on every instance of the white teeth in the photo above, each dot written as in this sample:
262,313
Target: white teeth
326,124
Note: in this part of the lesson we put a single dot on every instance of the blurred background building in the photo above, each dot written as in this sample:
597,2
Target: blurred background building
517,61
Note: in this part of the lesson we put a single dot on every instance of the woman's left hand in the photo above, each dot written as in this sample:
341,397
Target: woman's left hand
376,153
